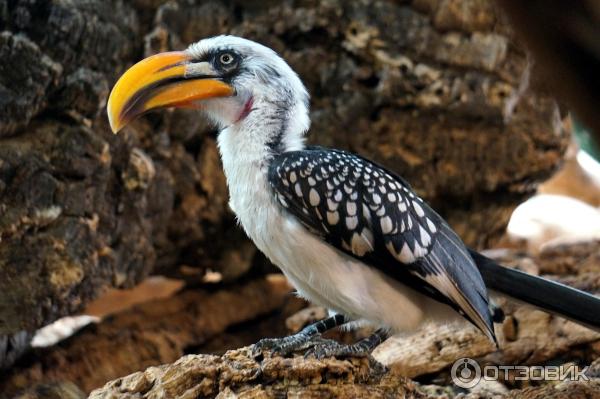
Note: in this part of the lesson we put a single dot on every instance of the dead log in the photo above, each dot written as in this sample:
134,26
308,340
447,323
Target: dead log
161,331
238,374
155,332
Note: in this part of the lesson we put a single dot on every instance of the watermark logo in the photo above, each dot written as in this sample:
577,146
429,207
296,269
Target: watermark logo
467,373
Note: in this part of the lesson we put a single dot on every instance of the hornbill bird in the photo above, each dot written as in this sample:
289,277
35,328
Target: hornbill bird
349,234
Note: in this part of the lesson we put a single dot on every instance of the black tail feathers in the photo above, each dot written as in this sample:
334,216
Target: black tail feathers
553,297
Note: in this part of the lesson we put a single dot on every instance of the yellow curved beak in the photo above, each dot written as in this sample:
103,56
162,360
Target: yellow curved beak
160,81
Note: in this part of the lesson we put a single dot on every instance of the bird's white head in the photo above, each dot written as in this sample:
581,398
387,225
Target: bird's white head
243,86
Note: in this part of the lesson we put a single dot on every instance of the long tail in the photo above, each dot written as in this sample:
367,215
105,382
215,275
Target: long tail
553,297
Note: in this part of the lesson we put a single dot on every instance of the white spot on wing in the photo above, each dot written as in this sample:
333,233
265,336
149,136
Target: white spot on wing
338,195
332,205
418,209
351,222
419,251
386,224
431,226
351,208
333,218
406,255
313,197
360,244
282,200
425,237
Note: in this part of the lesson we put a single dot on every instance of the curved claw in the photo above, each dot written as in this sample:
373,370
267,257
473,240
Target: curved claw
264,344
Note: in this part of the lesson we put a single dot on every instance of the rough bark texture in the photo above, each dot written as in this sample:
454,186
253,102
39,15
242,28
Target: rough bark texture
149,334
237,374
195,322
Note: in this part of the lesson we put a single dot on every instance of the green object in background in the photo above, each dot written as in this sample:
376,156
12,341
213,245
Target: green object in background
585,140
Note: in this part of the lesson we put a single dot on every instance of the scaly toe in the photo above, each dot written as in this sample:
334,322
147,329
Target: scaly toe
266,344
286,345
324,348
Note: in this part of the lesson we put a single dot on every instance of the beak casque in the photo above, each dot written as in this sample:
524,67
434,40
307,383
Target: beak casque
160,81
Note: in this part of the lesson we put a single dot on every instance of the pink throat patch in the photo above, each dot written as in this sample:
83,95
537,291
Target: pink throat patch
247,109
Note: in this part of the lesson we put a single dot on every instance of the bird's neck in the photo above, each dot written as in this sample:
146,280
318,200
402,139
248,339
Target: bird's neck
248,146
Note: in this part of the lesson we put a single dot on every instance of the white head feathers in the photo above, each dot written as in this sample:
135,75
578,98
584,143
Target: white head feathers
279,101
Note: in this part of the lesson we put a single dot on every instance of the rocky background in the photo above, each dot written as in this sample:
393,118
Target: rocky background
440,91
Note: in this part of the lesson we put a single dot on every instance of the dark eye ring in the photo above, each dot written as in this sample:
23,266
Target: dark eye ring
226,58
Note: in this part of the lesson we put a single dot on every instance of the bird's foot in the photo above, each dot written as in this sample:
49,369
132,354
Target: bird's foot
309,336
286,345
329,348
362,348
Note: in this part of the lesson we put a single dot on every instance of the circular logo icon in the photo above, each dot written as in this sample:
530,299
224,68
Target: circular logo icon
465,373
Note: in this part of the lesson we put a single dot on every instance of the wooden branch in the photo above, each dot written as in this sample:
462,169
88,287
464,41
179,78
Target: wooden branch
238,374
159,332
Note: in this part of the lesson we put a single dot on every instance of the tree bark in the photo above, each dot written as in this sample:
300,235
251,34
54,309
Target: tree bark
238,374
215,322
155,332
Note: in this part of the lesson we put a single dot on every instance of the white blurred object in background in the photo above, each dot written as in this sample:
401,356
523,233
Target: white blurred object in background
554,217
548,219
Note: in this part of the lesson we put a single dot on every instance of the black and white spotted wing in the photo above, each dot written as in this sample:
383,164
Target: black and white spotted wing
372,214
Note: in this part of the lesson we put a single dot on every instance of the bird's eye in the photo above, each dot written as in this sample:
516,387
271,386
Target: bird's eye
226,59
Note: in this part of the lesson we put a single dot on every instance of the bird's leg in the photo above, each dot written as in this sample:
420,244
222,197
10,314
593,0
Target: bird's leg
362,348
308,336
